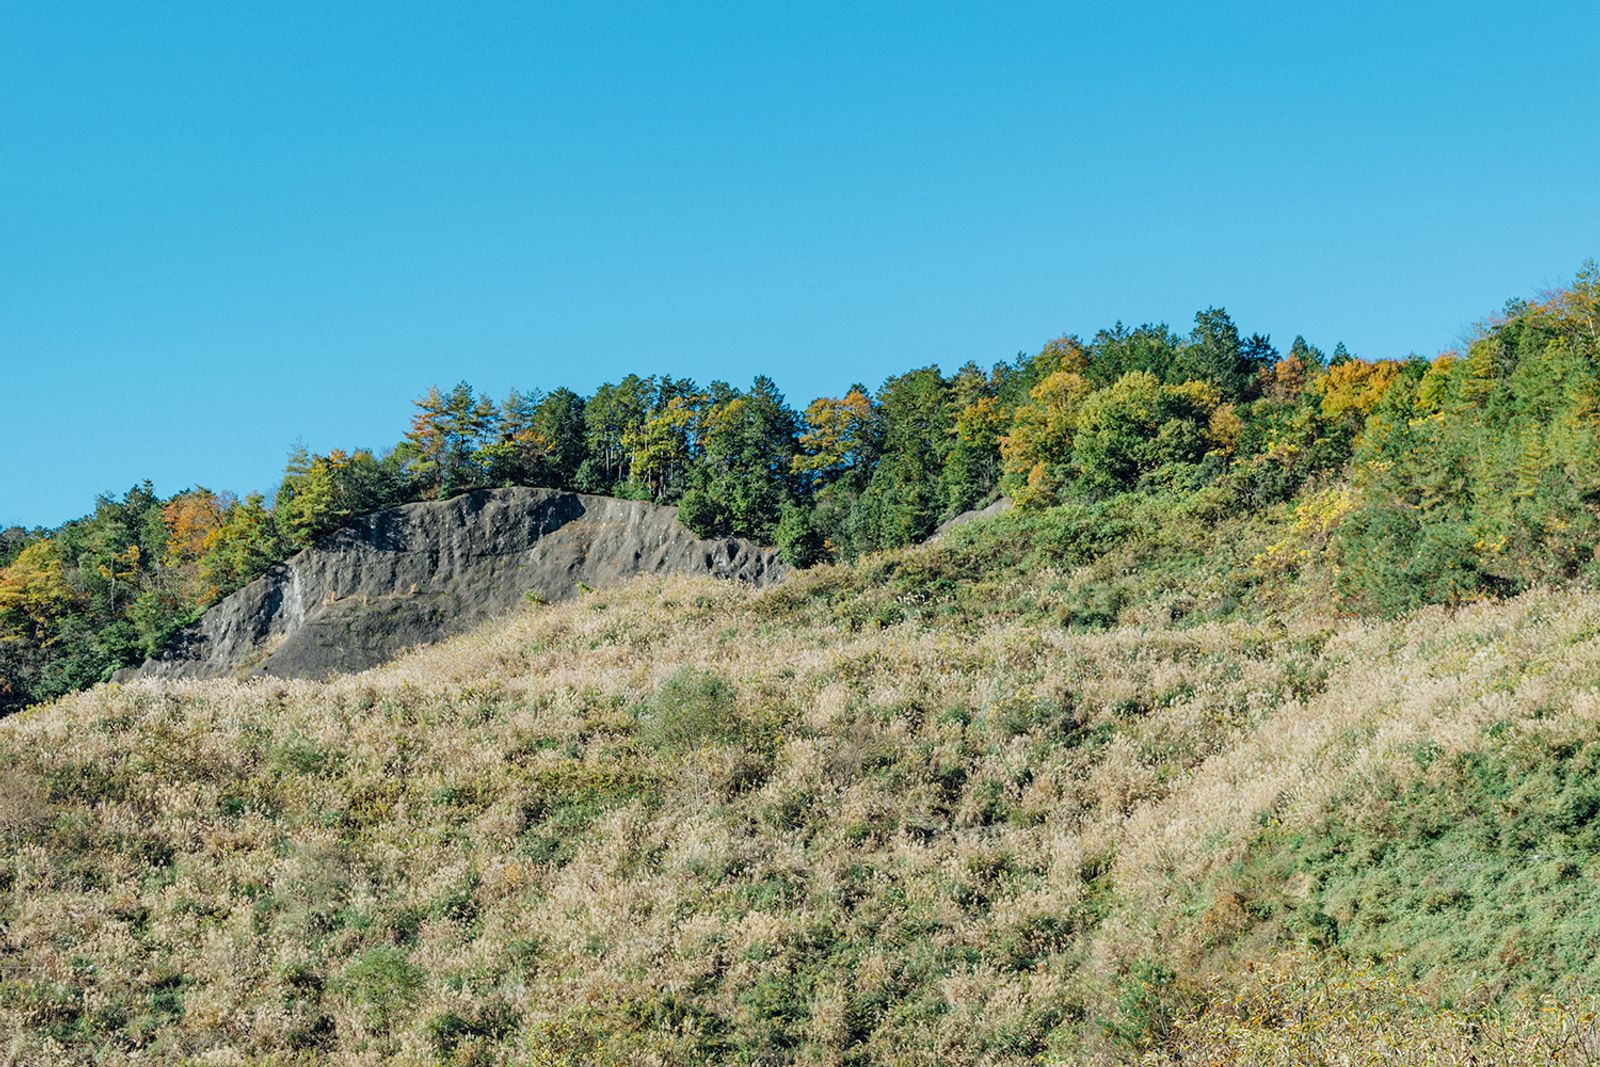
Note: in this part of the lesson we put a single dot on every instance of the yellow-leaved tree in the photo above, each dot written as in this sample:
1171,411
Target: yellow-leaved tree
194,521
838,436
1037,451
34,592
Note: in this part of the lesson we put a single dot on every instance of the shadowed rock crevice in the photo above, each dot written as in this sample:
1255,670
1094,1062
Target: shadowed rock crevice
416,573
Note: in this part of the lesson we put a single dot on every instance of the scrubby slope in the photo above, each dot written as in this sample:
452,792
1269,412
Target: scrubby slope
1007,798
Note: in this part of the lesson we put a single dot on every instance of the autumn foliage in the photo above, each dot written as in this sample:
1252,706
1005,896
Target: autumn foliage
1472,474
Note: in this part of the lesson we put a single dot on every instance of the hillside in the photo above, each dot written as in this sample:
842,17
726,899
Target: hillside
1260,730
1035,793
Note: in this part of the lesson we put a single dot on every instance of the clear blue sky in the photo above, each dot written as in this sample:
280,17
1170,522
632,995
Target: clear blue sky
226,226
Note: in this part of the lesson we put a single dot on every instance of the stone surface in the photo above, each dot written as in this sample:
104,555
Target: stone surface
416,573
998,507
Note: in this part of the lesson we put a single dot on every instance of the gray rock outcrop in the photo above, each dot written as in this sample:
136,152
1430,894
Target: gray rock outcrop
416,573
999,506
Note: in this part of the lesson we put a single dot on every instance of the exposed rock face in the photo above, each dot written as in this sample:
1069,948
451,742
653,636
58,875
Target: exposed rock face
999,507
419,572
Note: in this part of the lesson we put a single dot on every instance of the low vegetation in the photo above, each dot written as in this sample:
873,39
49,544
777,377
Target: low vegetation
1016,796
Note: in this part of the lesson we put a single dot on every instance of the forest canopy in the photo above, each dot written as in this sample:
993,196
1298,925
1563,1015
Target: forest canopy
1430,481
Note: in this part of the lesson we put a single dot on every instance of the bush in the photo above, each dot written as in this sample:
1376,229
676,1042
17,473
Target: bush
385,983
799,542
1138,426
692,708
702,515
1147,1006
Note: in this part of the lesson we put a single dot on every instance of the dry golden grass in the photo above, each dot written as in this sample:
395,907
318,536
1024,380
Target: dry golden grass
679,821
1296,1010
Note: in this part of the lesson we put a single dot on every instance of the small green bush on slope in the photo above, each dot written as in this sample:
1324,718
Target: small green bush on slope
928,809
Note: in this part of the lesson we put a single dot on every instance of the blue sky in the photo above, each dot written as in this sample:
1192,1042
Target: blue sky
224,227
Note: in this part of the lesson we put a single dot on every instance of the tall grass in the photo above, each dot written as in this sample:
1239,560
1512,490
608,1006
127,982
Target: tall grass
886,814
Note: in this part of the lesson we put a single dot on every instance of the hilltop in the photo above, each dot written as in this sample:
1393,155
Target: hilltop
1434,481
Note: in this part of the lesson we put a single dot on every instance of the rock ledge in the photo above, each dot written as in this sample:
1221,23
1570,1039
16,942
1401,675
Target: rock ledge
413,574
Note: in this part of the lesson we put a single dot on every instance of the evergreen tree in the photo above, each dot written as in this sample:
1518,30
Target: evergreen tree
1215,355
1151,348
558,422
902,502
744,475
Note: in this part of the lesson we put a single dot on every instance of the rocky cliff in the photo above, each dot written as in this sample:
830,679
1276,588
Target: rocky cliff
413,574
998,506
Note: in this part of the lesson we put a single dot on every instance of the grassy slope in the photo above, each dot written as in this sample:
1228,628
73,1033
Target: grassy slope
1007,798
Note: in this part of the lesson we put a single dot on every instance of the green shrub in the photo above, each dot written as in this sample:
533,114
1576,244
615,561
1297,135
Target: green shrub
800,544
384,983
692,708
1147,1007
702,515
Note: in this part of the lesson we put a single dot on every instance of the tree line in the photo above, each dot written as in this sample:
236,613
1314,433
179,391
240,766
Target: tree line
1475,472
